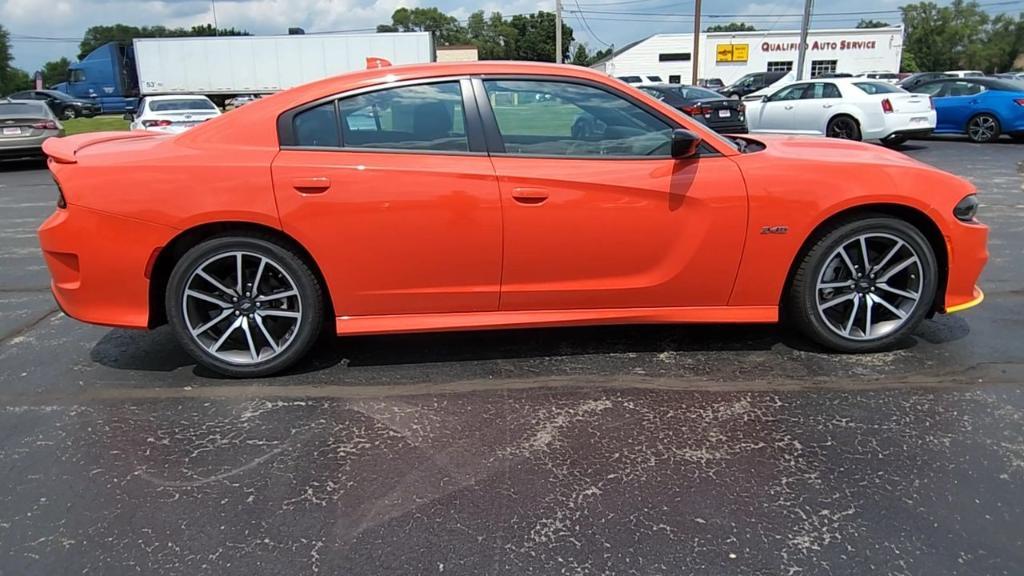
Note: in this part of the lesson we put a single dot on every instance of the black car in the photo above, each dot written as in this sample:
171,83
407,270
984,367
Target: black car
751,83
721,114
64,106
914,80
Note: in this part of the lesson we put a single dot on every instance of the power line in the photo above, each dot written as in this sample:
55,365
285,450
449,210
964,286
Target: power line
586,25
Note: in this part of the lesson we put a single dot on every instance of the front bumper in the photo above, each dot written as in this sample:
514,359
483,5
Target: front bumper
967,246
98,264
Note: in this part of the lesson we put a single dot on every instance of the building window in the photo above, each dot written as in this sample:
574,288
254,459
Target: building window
785,66
819,67
674,78
674,57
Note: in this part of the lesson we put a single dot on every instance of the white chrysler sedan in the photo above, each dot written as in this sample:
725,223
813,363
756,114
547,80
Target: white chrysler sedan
171,114
851,108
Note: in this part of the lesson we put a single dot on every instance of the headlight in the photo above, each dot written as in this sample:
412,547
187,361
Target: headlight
966,209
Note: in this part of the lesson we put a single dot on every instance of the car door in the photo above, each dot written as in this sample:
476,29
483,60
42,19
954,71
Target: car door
812,111
776,112
595,211
393,194
954,102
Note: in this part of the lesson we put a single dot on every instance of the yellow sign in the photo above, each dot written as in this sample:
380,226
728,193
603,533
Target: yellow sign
732,52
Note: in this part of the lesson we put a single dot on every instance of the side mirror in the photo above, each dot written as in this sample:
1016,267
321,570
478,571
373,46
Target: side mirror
764,97
684,143
129,116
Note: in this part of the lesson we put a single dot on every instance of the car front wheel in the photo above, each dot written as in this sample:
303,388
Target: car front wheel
864,285
244,306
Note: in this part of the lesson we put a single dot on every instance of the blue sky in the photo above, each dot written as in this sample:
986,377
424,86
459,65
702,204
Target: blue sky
47,29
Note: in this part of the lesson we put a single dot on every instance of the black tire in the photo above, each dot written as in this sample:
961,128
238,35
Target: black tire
983,128
69,113
843,127
895,141
310,297
801,302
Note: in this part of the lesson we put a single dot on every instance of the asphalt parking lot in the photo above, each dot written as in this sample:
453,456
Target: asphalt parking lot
622,450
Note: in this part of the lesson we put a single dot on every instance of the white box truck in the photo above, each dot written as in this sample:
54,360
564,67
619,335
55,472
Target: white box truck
229,65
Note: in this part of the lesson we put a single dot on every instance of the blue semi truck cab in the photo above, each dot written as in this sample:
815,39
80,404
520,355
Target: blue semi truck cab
106,75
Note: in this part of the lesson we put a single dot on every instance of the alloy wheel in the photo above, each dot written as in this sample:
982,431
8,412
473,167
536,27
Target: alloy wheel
842,128
982,128
869,286
241,307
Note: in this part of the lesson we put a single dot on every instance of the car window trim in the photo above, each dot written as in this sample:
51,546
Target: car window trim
496,145
474,132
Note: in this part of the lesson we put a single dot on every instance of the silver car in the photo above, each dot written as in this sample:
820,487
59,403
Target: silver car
24,125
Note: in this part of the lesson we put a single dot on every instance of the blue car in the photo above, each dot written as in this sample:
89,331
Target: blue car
981,108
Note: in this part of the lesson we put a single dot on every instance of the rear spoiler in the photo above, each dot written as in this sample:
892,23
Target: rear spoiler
63,150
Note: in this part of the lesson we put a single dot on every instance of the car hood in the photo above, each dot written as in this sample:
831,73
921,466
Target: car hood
833,150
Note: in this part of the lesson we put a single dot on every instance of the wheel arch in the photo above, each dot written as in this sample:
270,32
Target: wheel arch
851,113
910,214
170,254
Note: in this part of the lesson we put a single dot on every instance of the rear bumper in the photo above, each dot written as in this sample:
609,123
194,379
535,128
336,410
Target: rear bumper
967,246
920,133
901,123
97,263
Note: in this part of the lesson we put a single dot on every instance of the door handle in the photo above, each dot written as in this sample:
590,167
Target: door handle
530,195
826,105
311,185
789,107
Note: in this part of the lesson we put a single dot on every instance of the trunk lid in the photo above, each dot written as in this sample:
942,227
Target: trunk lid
908,103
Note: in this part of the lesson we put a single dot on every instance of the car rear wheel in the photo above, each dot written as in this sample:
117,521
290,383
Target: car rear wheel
69,113
983,128
244,306
843,127
864,285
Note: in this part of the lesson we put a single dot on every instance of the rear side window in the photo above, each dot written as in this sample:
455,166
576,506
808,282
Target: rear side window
877,88
421,117
317,127
553,118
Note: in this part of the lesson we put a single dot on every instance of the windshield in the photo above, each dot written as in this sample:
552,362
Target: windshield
694,93
182,104
878,87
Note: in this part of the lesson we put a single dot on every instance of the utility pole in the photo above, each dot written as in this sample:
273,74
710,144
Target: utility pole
558,31
802,50
213,4
695,59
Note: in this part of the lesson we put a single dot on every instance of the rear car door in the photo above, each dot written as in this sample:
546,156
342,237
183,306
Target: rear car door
813,110
392,192
595,211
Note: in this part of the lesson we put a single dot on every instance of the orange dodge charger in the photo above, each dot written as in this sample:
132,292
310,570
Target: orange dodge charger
494,195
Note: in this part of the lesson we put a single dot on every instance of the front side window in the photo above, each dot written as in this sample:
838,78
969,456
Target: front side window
425,117
932,89
791,92
964,89
552,118
76,75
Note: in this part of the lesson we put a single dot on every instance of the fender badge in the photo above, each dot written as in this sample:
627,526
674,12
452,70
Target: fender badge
774,229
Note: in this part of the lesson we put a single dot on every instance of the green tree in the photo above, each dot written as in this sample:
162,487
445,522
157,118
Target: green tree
536,37
55,71
581,56
11,79
872,24
97,36
731,27
447,29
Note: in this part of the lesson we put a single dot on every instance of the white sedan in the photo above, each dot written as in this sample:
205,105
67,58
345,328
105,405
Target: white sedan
171,114
852,108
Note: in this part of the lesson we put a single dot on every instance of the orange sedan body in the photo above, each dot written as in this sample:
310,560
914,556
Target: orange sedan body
486,234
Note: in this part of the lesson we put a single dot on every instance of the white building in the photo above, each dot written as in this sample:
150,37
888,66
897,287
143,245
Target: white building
730,55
